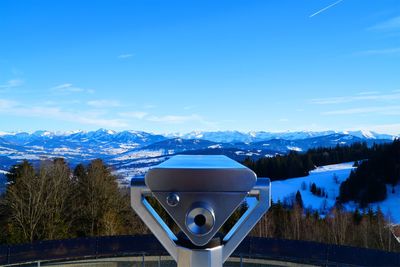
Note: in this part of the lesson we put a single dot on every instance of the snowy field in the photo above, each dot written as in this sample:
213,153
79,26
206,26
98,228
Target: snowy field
323,177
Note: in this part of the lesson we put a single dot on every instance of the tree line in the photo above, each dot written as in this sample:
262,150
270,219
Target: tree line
56,202
365,228
368,183
296,164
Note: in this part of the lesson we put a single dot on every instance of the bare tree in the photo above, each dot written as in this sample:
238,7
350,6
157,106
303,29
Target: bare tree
296,221
27,200
56,221
97,198
338,222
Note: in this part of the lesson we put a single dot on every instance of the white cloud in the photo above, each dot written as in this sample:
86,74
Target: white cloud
331,100
368,93
189,107
149,106
56,113
11,84
113,123
70,88
6,104
176,119
377,52
67,87
386,110
392,24
134,114
167,119
359,97
103,103
125,56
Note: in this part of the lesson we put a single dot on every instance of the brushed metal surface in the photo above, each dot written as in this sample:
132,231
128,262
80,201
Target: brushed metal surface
223,205
196,173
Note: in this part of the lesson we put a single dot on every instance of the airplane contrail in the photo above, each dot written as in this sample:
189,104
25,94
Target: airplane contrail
325,8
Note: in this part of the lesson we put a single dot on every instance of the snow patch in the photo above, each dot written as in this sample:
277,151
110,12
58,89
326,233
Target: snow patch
323,177
329,178
294,148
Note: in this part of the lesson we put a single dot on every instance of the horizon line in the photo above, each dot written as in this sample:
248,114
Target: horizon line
70,132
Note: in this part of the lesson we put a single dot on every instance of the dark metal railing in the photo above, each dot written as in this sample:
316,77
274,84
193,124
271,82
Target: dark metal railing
147,245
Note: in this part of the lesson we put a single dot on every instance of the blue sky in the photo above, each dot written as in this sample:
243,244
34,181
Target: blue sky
178,66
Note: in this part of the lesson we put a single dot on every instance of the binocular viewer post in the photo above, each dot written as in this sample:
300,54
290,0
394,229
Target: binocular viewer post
200,193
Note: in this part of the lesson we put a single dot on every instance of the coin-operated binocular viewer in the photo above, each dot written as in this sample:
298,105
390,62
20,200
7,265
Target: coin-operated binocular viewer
200,193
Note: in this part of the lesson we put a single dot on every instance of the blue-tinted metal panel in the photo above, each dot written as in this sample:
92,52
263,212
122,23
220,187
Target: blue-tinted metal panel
187,173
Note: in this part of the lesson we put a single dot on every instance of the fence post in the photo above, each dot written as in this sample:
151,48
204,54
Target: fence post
8,254
328,250
97,247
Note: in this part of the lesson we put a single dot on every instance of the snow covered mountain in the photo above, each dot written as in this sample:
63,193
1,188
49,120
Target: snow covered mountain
131,153
236,136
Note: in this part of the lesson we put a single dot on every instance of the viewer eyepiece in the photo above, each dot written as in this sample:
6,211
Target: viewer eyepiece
200,219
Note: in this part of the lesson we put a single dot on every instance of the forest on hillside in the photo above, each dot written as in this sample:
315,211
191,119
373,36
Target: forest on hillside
369,182
297,164
377,167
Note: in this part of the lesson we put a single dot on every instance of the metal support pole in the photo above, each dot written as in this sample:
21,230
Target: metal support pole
214,257
200,257
258,200
153,221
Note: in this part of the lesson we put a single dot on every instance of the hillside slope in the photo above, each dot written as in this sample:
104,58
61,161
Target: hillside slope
323,177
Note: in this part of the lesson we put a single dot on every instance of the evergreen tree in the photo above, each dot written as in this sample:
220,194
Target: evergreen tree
313,189
368,182
299,200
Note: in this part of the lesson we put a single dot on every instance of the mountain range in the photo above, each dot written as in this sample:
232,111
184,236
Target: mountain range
131,153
